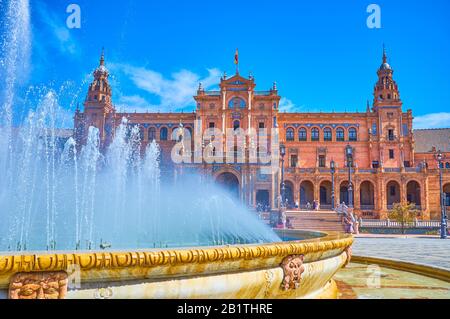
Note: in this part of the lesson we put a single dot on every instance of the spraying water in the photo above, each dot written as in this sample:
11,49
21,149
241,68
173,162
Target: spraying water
57,195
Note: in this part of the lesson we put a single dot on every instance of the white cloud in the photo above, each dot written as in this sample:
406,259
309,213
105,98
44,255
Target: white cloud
174,93
62,37
287,105
432,120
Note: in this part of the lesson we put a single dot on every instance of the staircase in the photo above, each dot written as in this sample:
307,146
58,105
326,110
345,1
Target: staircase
316,220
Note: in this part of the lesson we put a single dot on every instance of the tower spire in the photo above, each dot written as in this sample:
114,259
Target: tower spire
102,57
384,54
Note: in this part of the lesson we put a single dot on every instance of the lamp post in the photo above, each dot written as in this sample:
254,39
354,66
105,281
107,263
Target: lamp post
283,184
333,171
349,153
440,158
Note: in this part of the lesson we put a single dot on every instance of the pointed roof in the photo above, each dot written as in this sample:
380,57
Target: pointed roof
385,65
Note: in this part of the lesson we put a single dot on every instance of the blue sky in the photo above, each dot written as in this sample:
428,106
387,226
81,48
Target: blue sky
321,53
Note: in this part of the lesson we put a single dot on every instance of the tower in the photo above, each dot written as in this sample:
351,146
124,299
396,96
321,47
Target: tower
98,108
386,91
390,123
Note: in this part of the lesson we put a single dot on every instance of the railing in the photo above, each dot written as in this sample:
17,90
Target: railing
367,207
432,224
371,170
412,169
263,93
213,93
392,170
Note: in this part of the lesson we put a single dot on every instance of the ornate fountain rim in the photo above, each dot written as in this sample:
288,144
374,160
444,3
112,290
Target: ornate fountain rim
12,264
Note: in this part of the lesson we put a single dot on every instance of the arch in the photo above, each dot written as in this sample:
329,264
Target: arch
315,134
447,194
290,135
413,193
237,102
302,134
230,182
289,194
367,195
392,194
344,196
327,134
352,134
340,134
306,194
163,133
325,194
151,134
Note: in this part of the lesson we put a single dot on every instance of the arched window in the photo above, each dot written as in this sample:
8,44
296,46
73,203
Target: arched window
352,135
236,102
447,165
302,135
151,134
340,135
163,134
290,135
315,135
327,135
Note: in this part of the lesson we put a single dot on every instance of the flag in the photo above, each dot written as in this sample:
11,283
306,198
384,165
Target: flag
236,57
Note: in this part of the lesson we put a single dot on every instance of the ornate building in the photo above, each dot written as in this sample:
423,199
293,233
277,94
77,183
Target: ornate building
389,164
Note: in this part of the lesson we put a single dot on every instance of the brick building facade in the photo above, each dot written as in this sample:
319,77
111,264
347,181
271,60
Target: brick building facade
390,164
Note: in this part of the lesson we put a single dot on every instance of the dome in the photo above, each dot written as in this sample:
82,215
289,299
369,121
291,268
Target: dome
385,66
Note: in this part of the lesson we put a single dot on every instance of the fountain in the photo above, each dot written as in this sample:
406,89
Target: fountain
102,224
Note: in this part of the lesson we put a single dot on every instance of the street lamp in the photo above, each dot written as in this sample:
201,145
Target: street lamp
333,171
349,153
440,158
283,184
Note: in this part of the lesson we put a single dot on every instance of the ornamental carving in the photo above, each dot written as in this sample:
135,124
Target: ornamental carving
49,285
293,269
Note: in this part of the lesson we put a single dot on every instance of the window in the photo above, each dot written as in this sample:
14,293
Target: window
294,161
236,102
405,130
290,135
262,125
212,125
315,135
302,135
163,134
391,154
151,134
327,135
391,135
447,165
407,164
374,129
375,164
352,135
393,190
322,161
340,135
236,125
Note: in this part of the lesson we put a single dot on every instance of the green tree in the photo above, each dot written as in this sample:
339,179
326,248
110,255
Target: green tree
404,214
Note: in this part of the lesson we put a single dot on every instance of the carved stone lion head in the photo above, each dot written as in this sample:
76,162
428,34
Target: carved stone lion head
293,269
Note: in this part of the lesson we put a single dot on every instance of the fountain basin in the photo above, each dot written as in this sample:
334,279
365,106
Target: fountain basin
294,269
